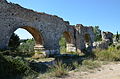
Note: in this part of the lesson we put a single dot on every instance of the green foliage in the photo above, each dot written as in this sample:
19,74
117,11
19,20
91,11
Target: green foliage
97,32
10,66
110,54
19,65
14,41
62,41
117,37
27,47
62,44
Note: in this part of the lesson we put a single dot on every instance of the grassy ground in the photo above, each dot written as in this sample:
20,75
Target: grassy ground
77,63
58,67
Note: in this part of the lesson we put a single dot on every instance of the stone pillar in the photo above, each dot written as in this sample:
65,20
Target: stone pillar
70,48
39,51
3,45
39,48
4,40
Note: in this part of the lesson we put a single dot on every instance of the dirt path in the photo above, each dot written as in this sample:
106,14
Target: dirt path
109,71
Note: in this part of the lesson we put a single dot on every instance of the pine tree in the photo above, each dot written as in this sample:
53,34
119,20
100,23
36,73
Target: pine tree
14,41
97,32
117,37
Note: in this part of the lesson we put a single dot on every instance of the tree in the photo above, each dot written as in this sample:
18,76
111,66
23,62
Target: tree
97,32
14,41
62,44
117,37
27,46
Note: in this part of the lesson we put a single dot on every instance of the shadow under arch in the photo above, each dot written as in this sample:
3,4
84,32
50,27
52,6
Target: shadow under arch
68,37
87,38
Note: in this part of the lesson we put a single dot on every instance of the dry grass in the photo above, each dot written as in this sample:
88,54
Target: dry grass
110,54
59,69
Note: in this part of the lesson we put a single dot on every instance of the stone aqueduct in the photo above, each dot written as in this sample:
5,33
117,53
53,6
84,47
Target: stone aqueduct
46,29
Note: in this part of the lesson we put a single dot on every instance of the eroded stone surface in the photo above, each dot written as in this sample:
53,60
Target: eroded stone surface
46,29
107,39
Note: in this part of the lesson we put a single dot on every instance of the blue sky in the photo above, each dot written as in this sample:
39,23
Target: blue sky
103,13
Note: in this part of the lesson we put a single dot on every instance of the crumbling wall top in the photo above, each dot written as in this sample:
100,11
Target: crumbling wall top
3,1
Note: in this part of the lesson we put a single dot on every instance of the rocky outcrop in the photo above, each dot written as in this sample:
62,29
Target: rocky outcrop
107,39
107,35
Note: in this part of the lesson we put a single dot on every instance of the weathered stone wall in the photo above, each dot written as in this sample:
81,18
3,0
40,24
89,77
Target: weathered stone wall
107,39
86,36
46,29
101,44
107,35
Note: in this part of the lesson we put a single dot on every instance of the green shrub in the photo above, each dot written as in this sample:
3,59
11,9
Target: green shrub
10,66
18,65
27,47
62,49
14,41
110,54
105,55
62,44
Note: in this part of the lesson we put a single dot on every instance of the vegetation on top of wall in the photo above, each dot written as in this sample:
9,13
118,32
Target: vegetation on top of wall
97,32
117,37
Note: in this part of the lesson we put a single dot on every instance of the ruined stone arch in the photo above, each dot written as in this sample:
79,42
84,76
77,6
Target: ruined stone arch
36,35
69,41
68,37
42,26
88,42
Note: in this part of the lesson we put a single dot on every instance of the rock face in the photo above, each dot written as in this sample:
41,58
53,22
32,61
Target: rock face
107,35
107,39
102,44
46,29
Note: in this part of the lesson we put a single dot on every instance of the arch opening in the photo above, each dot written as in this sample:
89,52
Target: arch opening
87,37
36,35
87,40
35,39
66,43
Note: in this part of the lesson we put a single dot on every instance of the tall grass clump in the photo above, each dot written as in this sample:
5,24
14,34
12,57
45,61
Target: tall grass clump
91,64
59,69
